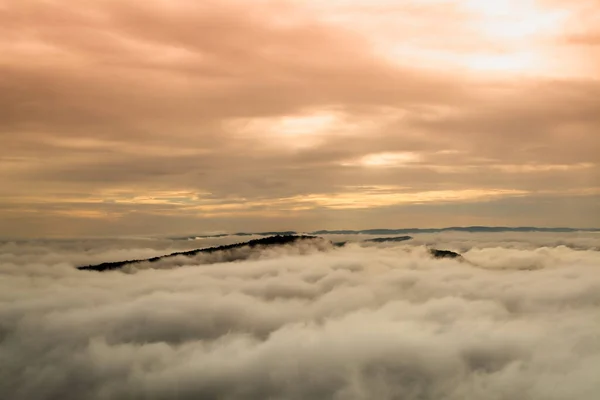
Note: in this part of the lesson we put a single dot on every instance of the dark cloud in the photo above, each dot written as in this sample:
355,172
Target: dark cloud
263,104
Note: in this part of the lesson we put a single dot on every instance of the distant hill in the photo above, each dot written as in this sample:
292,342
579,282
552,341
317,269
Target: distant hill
235,252
390,239
473,229
192,237
401,231
444,254
277,240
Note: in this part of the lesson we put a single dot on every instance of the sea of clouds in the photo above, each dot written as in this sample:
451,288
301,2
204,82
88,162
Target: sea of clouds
518,318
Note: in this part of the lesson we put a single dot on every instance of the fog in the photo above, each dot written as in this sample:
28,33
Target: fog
518,319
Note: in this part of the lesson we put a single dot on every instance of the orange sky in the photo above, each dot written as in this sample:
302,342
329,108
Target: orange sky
129,117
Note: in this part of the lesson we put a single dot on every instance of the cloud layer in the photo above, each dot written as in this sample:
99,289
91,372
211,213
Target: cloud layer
359,322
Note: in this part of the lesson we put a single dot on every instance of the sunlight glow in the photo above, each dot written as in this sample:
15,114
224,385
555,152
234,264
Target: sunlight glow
386,159
294,131
499,36
386,199
511,62
519,28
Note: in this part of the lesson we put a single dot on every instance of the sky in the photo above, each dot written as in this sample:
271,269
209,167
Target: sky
127,117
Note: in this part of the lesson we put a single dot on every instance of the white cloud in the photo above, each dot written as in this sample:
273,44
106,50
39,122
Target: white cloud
354,323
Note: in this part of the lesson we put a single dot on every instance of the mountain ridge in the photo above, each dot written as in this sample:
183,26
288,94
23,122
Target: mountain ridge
399,231
271,241
277,240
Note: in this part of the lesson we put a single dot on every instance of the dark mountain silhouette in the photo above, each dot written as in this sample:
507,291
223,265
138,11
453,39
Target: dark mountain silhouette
200,236
390,239
473,229
444,254
192,237
278,240
403,231
271,241
283,233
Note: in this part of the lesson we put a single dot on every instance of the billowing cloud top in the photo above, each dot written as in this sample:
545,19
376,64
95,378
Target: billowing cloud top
519,320
173,116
